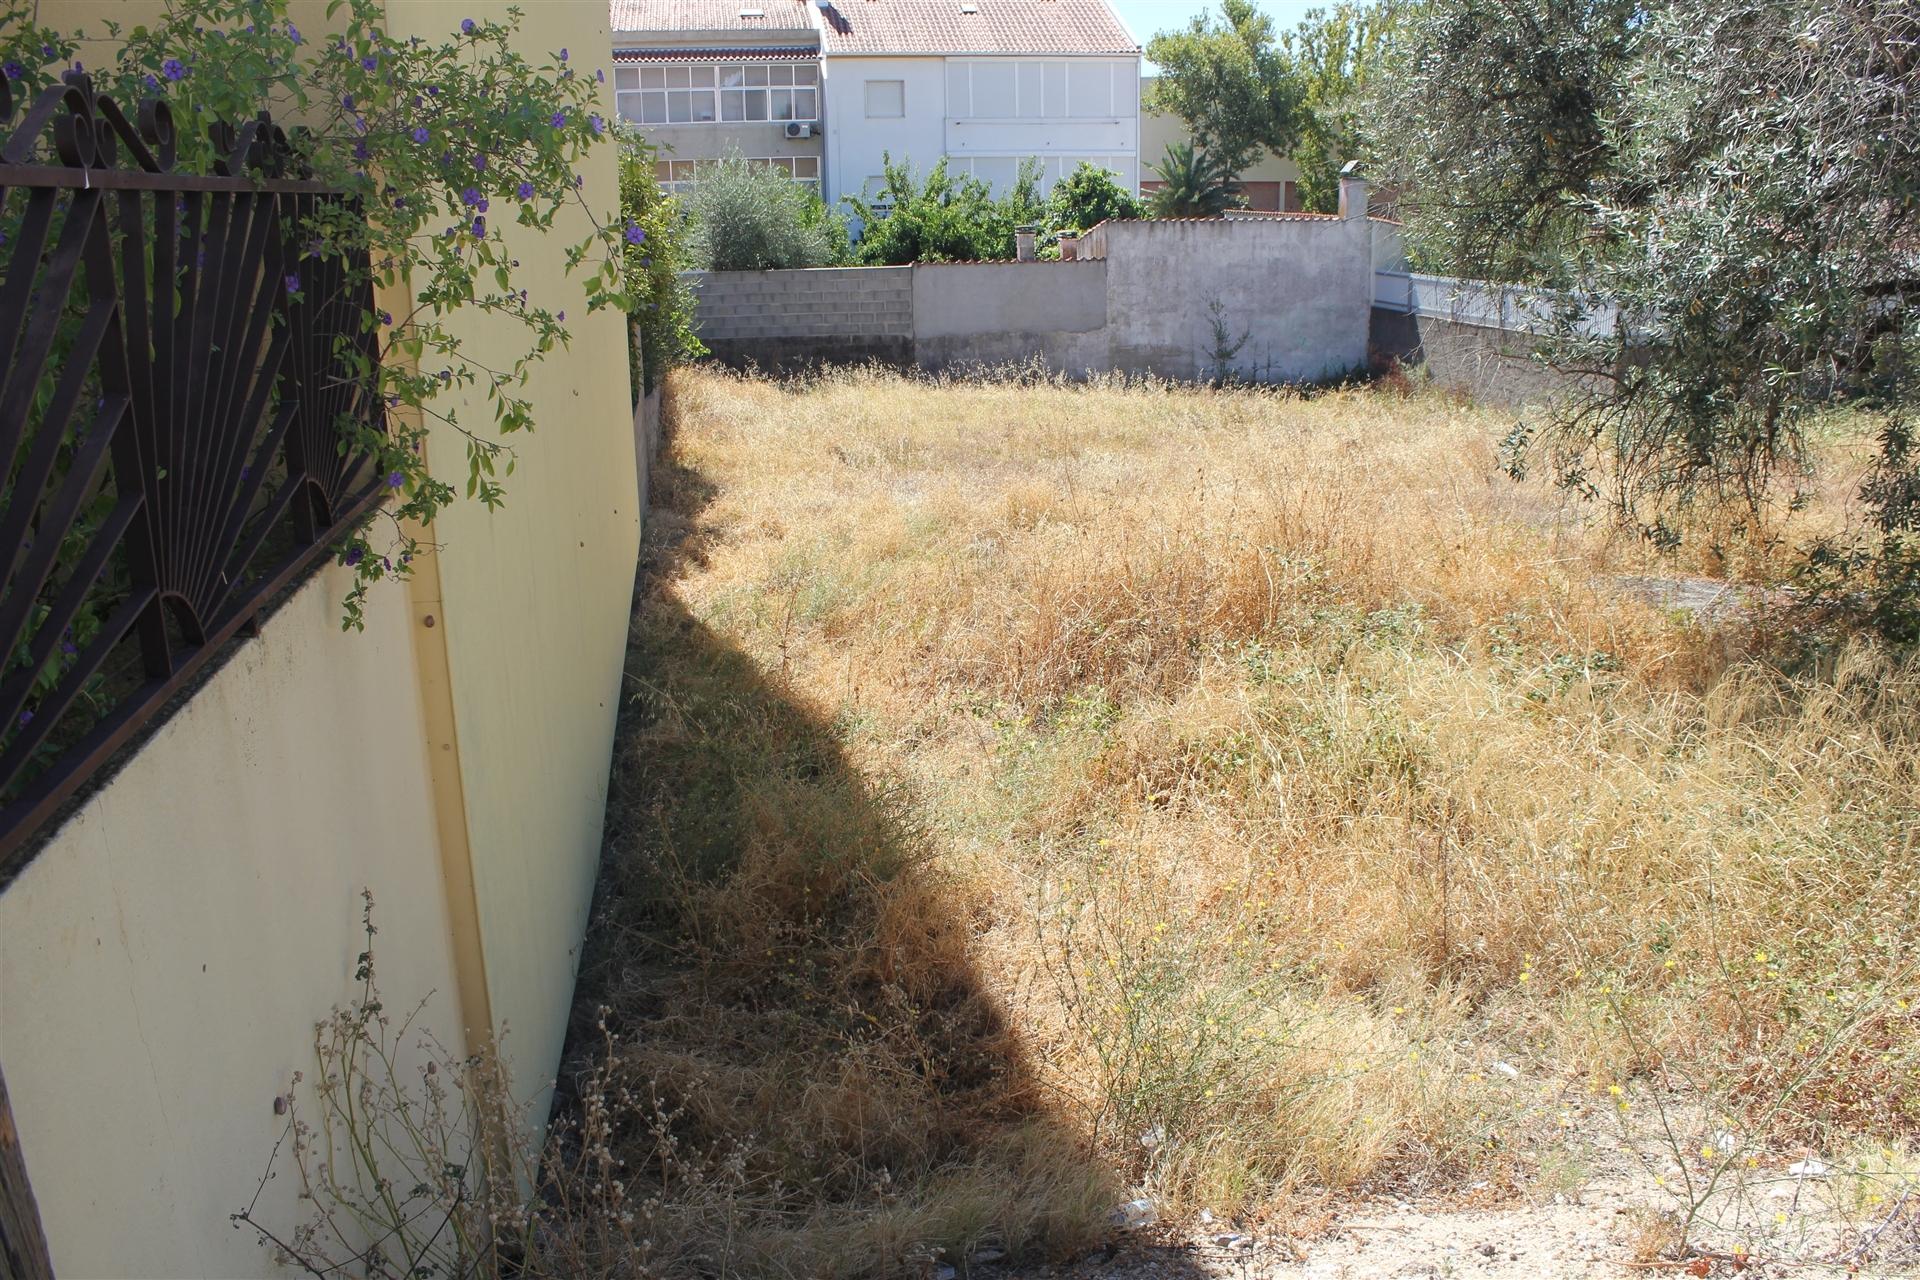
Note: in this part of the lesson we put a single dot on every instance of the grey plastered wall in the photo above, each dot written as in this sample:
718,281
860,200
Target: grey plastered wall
1488,363
973,314
1299,289
783,319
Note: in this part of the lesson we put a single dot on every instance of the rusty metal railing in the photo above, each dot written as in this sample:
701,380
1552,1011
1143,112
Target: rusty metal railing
176,364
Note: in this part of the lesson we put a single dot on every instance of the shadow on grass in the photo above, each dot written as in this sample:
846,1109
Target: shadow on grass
816,1081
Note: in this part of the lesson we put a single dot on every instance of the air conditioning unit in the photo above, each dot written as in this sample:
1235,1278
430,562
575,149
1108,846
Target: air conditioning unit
799,129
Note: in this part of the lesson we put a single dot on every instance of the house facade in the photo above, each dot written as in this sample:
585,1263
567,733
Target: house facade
1270,184
983,84
706,78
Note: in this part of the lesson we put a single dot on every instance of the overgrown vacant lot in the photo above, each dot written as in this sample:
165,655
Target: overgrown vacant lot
1036,796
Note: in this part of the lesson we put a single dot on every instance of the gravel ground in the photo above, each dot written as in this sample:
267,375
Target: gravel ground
1769,1220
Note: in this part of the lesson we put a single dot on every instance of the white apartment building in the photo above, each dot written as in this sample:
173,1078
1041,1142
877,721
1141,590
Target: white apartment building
984,84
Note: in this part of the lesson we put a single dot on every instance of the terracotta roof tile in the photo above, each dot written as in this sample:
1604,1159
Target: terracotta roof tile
995,26
710,15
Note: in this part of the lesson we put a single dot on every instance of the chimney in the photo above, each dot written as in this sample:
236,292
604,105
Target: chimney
1353,192
1069,246
1023,243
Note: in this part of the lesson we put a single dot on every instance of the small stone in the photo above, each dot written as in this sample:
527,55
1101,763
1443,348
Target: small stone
944,1272
981,1256
1809,1168
1486,1251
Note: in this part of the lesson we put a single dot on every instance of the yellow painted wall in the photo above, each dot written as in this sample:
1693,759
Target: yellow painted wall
536,598
458,769
164,960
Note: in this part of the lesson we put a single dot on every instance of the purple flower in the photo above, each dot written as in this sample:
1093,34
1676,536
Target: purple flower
347,101
371,62
14,70
470,197
293,34
420,134
480,164
482,206
355,555
559,120
524,191
386,317
172,69
599,125
466,26
69,648
433,91
395,480
47,51
360,150
480,227
26,718
563,55
635,235
293,282
153,82
562,317
601,75
399,202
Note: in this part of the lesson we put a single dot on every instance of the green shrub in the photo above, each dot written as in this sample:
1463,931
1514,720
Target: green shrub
945,218
750,217
661,335
1088,197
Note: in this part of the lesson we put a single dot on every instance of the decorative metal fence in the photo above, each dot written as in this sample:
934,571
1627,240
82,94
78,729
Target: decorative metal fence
175,367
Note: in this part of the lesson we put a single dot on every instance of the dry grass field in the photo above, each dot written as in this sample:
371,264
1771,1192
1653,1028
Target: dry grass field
1036,796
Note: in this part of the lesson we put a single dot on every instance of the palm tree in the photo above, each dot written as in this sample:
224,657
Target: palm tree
1196,185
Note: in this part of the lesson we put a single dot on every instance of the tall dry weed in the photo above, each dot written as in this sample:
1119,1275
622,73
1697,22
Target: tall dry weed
1220,786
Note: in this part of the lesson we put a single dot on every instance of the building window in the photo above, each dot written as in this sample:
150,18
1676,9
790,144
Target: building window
1030,89
679,176
886,99
725,92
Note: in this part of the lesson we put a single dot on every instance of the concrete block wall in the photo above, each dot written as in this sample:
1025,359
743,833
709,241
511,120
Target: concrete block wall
825,302
791,319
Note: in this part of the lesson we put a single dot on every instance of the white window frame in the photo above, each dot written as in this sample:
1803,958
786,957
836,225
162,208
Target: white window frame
723,93
901,114
677,177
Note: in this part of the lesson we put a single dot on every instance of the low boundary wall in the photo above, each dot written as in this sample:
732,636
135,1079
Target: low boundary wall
1290,296
1470,334
783,319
